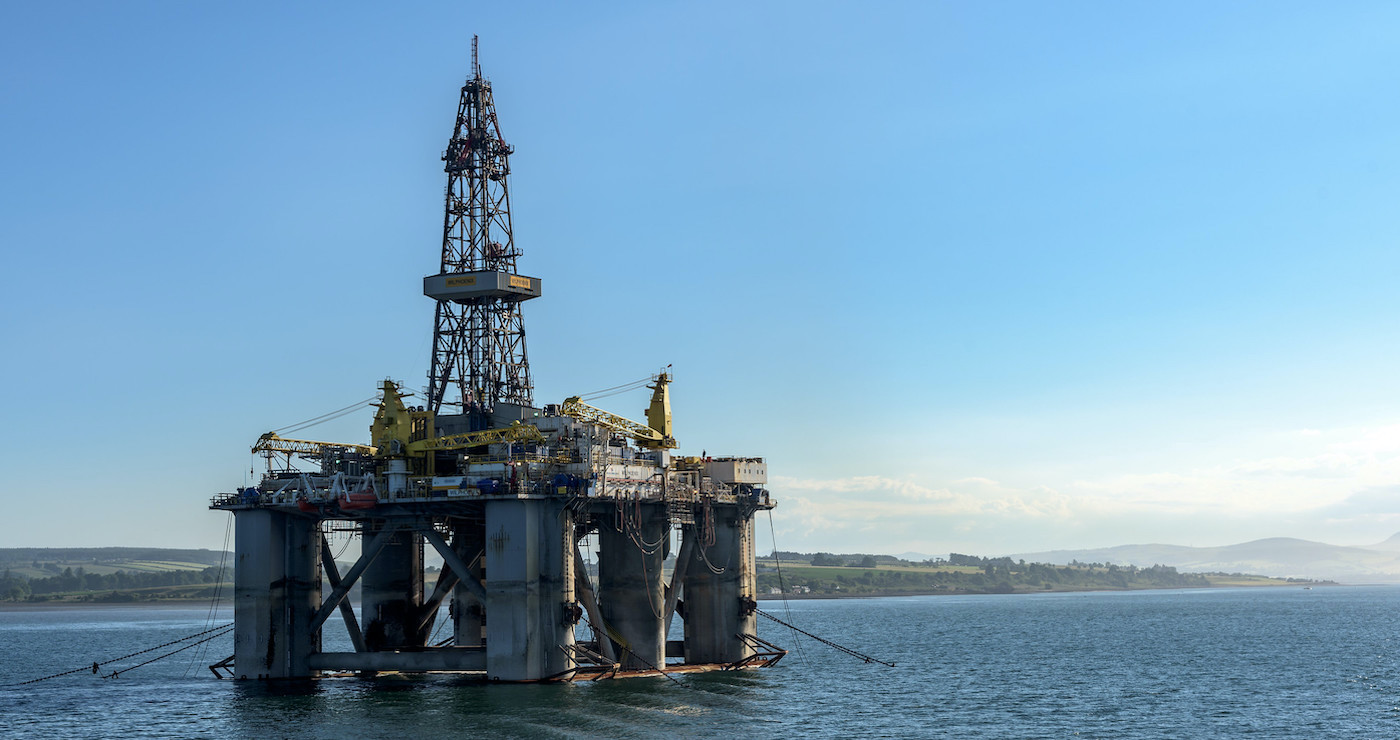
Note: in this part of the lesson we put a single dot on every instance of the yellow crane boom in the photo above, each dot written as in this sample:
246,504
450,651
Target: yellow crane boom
270,442
646,435
576,408
514,433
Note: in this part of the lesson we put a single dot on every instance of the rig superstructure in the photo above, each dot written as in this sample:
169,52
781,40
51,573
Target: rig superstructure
504,492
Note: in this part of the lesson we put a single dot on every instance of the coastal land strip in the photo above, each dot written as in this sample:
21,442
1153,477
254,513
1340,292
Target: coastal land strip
114,582
828,576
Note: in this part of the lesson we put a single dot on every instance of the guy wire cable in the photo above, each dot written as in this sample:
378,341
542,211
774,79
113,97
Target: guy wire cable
318,419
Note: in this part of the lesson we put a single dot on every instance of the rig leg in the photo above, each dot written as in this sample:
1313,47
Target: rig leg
631,591
529,589
720,587
277,593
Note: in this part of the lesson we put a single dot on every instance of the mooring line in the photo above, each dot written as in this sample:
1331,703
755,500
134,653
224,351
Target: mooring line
114,674
825,641
603,636
218,592
782,587
97,665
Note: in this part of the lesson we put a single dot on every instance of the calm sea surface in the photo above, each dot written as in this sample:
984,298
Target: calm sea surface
1273,663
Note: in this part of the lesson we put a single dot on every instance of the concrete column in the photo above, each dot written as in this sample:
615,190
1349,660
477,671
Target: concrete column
529,588
468,613
631,591
277,592
391,592
719,582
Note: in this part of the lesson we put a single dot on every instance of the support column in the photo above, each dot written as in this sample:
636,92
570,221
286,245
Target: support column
720,588
391,591
631,592
277,592
468,613
529,589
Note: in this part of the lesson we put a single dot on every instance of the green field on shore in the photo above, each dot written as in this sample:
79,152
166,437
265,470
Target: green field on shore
46,570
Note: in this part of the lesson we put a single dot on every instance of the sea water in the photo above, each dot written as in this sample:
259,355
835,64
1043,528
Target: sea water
1263,662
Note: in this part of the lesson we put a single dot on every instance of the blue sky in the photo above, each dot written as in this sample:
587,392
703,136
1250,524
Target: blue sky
974,277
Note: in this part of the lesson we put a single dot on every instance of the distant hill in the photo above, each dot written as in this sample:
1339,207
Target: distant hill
1389,545
1281,557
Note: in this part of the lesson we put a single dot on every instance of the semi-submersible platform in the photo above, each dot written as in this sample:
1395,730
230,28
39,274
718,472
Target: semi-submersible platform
504,492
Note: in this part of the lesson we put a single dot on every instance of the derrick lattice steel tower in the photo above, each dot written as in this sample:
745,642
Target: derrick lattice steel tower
479,356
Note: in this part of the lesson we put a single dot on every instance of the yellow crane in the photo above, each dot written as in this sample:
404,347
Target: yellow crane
399,430
656,433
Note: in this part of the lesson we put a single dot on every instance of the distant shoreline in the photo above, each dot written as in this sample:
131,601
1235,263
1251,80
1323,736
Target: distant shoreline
1023,592
30,606
24,606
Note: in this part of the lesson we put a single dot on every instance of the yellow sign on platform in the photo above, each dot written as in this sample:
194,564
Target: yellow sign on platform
519,282
460,280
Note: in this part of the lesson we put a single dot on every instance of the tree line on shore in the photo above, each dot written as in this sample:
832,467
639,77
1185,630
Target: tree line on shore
19,557
960,573
18,588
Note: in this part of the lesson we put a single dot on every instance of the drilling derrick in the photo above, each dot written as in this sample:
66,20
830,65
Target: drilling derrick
479,356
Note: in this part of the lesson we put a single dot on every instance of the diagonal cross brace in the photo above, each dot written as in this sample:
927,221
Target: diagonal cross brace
346,612
583,586
367,556
454,562
673,591
447,580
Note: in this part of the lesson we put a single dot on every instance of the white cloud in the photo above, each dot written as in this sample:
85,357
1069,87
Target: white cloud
1334,478
976,481
1327,465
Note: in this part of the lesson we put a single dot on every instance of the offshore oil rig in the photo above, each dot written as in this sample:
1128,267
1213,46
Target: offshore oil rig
504,492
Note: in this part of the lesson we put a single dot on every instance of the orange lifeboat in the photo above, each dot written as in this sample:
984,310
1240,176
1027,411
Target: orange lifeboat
364,499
